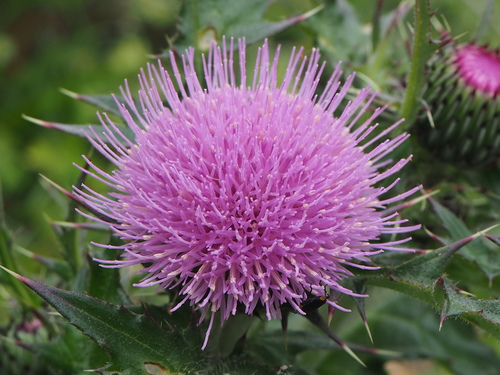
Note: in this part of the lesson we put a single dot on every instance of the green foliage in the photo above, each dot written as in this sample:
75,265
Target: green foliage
205,21
352,45
478,252
131,340
136,343
423,277
7,259
400,326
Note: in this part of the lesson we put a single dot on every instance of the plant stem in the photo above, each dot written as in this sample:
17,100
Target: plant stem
420,54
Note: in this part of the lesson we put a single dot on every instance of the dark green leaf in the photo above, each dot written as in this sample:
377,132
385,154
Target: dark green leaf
143,343
132,340
104,282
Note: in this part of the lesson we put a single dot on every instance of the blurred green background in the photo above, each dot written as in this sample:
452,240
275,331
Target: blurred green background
81,45
90,46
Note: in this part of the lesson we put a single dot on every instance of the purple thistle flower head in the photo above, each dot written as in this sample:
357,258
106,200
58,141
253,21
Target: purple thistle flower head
479,68
244,190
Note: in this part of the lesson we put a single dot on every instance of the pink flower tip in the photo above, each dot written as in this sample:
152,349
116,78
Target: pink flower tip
479,68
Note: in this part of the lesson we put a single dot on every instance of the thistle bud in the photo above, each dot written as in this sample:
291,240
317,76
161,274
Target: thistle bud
19,349
462,104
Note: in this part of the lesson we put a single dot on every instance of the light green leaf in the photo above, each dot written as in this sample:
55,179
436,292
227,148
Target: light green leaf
206,21
340,33
478,252
59,267
105,283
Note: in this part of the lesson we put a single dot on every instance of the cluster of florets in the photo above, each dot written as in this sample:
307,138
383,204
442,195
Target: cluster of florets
246,192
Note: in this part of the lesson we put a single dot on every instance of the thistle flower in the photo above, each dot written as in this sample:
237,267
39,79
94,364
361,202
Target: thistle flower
246,196
462,96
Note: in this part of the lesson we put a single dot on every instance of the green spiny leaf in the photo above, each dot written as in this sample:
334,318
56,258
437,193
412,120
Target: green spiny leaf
107,103
131,340
424,270
423,278
140,344
95,132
